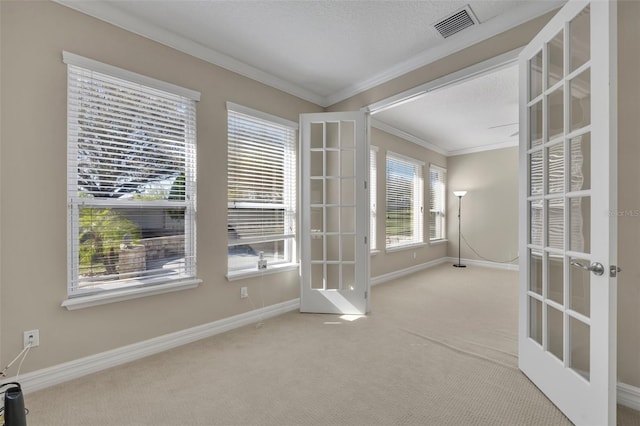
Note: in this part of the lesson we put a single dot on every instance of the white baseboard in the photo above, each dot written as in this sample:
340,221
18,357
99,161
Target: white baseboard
402,272
61,373
629,396
495,265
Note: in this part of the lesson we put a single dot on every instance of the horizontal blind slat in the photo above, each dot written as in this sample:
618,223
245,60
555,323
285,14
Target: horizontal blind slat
261,172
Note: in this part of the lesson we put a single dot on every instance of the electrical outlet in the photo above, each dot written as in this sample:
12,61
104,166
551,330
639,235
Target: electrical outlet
31,336
244,293
414,255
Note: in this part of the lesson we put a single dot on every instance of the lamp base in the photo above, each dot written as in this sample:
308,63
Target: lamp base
459,265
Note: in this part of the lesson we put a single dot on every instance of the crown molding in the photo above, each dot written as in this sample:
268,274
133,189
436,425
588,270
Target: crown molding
105,12
428,145
406,136
482,148
455,44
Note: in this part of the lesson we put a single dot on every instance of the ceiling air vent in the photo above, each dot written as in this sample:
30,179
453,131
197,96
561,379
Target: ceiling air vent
458,21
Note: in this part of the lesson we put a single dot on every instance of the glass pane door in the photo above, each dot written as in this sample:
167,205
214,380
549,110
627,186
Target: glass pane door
567,325
335,252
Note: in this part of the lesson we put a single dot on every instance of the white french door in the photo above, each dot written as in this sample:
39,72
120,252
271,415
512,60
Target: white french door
567,325
334,223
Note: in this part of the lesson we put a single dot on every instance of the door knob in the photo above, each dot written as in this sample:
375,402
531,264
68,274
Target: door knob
595,267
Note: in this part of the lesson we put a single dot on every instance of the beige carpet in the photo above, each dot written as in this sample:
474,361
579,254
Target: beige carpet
439,348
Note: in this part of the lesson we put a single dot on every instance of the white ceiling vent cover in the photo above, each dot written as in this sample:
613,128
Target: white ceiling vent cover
456,22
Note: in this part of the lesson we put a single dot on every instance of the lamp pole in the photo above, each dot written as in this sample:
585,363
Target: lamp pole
459,194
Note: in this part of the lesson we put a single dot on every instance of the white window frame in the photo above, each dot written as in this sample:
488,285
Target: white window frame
417,203
373,197
289,204
131,287
437,203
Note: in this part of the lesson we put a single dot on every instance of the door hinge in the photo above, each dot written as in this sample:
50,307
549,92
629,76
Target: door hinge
365,241
613,271
365,184
366,293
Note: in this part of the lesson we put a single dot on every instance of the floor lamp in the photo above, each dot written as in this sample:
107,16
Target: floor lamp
459,194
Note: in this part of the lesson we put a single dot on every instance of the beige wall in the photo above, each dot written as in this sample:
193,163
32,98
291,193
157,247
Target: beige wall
33,176
490,207
628,193
383,262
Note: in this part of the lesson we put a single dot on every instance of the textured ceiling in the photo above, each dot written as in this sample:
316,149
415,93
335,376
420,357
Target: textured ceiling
320,50
481,112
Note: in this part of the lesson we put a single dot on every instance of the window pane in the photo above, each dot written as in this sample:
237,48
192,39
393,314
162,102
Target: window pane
580,346
555,63
555,114
437,191
317,276
348,248
317,248
555,218
124,244
317,163
535,72
580,89
555,278
535,320
580,160
348,276
536,229
404,201
555,332
333,277
580,287
535,271
347,134
535,124
580,219
333,247
555,168
580,30
535,173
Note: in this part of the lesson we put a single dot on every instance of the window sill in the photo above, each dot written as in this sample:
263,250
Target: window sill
405,247
438,242
374,252
240,275
81,302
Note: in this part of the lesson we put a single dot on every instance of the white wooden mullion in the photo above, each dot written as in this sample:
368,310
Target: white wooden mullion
566,270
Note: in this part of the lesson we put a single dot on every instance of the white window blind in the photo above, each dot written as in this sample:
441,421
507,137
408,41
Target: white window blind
373,196
131,182
261,191
404,224
437,191
556,204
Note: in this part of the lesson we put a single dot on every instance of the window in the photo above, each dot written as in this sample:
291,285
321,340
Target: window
261,190
373,194
131,161
437,191
404,201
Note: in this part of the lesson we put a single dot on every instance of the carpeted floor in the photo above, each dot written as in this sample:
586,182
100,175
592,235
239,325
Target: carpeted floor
439,348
